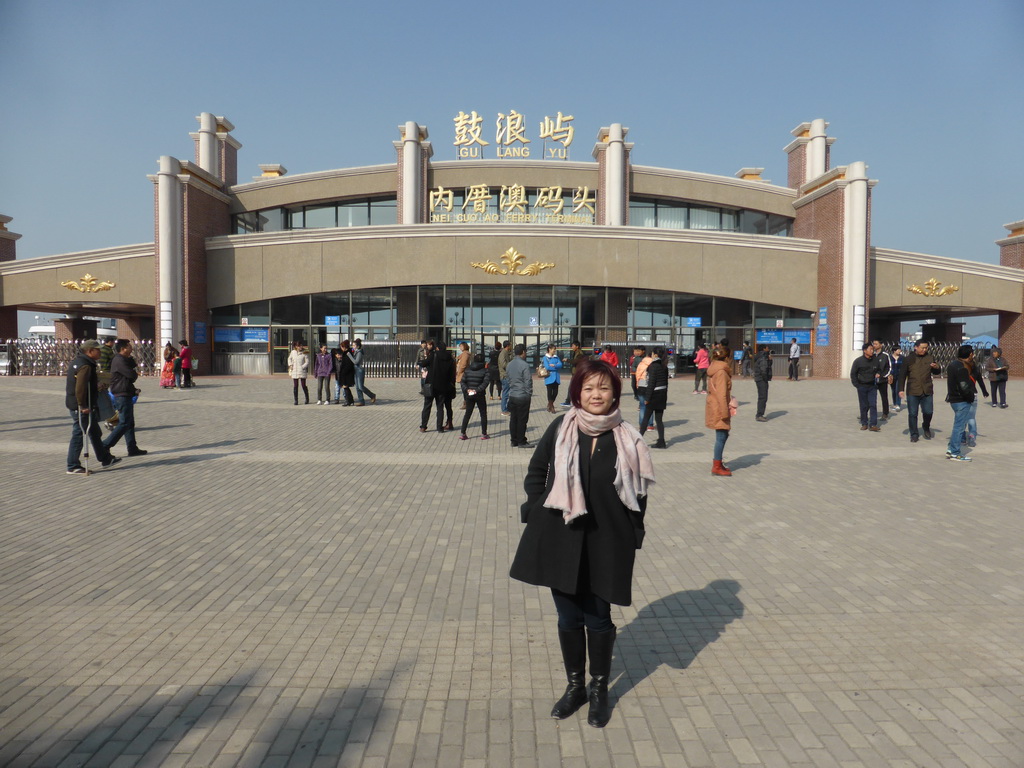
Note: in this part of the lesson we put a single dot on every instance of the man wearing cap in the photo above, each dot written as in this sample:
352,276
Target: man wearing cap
916,387
959,395
81,399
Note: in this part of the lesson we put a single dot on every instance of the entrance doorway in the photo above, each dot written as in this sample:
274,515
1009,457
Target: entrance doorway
281,345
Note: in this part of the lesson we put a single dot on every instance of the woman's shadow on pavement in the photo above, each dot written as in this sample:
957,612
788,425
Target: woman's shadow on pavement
673,630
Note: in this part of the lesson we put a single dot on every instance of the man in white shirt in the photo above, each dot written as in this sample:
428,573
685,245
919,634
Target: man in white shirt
794,360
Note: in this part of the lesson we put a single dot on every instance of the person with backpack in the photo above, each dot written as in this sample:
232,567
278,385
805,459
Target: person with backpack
762,375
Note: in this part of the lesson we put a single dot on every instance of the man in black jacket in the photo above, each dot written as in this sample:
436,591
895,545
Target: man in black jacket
884,374
81,396
959,395
762,375
123,373
864,376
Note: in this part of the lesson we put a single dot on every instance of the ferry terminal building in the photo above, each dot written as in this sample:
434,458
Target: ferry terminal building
511,239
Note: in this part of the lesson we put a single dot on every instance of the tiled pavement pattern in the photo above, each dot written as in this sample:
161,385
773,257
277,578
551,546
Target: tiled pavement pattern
323,586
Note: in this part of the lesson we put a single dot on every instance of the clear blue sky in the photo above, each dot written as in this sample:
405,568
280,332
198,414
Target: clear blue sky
928,94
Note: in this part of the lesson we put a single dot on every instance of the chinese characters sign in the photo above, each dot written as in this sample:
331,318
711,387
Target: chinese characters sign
510,136
511,204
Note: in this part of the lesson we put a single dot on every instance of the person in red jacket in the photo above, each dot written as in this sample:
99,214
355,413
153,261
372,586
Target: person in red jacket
610,357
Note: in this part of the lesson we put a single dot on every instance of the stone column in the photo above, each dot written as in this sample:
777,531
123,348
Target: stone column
8,315
414,152
612,154
169,237
855,258
1011,324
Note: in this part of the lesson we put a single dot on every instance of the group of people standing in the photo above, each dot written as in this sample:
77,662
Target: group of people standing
344,364
876,372
177,369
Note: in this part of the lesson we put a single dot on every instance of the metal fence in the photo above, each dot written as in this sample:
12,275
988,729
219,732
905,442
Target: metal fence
51,357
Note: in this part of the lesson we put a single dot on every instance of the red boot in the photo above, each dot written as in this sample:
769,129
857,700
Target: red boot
718,468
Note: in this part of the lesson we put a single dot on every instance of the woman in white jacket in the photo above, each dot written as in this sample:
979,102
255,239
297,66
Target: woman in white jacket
298,369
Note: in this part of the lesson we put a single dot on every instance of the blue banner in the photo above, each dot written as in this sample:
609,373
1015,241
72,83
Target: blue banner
255,334
227,334
198,332
693,322
823,334
783,336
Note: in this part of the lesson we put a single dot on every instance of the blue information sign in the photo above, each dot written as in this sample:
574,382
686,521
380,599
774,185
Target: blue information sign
822,315
823,335
255,334
227,334
782,336
332,320
198,332
693,322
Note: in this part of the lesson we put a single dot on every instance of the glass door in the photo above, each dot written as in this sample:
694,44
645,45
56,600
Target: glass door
283,338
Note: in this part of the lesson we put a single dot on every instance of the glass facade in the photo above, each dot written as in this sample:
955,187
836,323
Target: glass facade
495,207
533,315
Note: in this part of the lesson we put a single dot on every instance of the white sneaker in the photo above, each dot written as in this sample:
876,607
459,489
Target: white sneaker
319,402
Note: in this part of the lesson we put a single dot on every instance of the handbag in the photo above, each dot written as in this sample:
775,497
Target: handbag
542,371
425,389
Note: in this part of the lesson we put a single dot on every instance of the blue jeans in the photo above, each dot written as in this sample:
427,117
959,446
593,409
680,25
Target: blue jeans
972,419
641,396
504,395
125,424
361,388
925,404
92,426
961,412
721,435
867,396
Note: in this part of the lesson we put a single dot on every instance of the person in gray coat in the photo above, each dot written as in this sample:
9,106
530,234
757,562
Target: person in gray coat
520,392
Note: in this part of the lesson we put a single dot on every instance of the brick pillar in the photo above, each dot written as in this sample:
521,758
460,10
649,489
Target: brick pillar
206,214
1011,324
135,328
8,315
74,328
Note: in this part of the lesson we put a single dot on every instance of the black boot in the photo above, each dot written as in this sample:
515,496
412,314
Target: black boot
600,645
574,655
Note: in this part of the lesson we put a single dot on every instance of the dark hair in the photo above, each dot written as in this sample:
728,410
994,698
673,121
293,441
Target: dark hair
640,347
478,357
865,345
919,342
121,344
505,343
519,349
594,367
183,342
358,343
659,352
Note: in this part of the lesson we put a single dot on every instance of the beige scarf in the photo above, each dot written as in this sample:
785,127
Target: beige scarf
634,470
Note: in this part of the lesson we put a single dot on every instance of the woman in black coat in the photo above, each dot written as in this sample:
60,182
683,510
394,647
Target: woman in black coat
657,395
474,390
586,494
442,384
344,373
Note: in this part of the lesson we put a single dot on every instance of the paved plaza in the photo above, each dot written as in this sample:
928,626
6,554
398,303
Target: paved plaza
321,586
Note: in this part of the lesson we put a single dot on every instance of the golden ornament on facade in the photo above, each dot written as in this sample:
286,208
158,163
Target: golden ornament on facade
512,261
931,288
88,284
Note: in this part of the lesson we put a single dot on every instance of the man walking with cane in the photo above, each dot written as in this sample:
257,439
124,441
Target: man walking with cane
81,399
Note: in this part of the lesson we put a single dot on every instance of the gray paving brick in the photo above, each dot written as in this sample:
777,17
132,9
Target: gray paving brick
288,586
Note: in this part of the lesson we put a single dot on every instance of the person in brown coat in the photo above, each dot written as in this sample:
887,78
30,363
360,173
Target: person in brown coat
720,405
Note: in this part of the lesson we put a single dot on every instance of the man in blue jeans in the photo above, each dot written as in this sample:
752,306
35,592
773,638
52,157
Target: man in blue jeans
915,385
503,360
960,394
123,373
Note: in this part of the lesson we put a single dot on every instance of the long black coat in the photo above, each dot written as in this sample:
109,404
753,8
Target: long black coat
595,552
657,385
344,370
441,374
